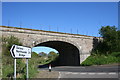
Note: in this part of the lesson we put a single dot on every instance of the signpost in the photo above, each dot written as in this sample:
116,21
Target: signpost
20,52
14,69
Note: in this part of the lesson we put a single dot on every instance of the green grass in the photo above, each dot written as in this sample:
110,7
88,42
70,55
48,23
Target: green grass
0,67
102,59
7,71
7,60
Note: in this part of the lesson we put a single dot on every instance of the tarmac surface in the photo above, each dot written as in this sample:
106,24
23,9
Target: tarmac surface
104,72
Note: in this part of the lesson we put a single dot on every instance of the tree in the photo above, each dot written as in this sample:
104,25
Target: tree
118,41
34,54
111,39
9,41
42,54
52,55
108,32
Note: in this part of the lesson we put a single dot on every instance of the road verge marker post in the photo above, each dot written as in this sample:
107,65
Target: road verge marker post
49,67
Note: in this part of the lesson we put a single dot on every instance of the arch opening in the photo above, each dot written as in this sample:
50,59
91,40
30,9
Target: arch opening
68,53
45,54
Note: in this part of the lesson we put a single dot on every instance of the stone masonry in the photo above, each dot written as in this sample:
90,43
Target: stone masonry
31,38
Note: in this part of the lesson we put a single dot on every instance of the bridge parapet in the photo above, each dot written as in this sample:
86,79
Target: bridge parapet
31,37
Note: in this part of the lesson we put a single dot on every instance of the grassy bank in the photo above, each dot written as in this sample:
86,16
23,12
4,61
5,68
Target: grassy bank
98,59
7,60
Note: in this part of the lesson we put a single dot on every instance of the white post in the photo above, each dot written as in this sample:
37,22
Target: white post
15,69
49,67
27,68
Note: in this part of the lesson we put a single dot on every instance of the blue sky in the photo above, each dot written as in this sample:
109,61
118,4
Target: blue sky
43,49
84,18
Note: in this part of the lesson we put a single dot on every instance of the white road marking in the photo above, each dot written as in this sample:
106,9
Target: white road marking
87,74
75,73
82,67
69,67
112,73
59,76
83,73
68,72
91,73
101,73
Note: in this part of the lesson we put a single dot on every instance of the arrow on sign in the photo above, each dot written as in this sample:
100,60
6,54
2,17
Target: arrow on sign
12,51
20,52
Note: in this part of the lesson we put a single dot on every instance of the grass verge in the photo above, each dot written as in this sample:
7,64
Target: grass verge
102,59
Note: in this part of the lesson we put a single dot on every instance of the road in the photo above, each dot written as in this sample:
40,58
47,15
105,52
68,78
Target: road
87,73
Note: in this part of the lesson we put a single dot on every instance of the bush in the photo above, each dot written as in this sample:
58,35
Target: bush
115,54
108,50
33,63
7,59
102,59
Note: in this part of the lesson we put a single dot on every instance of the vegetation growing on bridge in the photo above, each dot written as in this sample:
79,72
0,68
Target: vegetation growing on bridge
7,60
108,49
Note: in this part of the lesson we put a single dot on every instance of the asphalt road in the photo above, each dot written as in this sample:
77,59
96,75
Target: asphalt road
87,69
87,73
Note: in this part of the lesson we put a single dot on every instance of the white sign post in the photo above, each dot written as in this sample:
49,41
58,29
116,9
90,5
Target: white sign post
15,69
27,68
20,52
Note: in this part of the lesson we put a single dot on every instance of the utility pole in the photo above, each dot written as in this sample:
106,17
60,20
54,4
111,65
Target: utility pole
20,24
92,34
49,28
41,27
57,29
71,30
8,22
77,31
87,33
97,34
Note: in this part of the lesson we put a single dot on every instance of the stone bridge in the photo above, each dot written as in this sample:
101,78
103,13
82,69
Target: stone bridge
73,48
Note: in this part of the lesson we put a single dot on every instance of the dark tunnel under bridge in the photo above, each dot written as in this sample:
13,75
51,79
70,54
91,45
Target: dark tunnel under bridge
68,53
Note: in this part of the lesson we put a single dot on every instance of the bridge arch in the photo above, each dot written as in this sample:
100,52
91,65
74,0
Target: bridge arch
69,51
